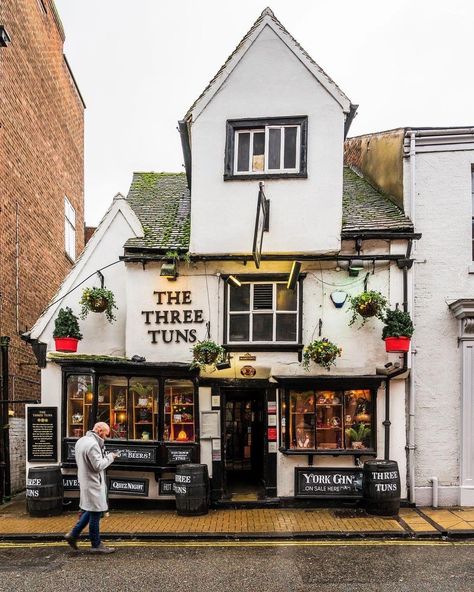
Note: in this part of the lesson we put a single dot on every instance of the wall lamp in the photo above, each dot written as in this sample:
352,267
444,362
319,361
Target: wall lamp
233,281
355,267
293,277
169,270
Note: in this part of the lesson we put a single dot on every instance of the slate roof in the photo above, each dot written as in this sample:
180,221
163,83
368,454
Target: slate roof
162,203
366,209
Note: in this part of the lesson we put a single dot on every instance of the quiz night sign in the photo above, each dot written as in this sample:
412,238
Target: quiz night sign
168,324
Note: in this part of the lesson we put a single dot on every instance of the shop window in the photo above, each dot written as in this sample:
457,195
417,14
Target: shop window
266,147
263,312
79,404
326,421
179,411
144,394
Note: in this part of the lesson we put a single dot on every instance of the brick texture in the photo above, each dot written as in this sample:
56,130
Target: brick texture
41,162
17,453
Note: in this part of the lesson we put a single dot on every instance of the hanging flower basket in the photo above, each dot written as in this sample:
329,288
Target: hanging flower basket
98,300
321,351
206,353
366,305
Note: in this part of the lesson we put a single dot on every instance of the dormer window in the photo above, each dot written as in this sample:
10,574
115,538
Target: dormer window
267,148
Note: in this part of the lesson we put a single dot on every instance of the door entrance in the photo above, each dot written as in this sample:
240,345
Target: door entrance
244,444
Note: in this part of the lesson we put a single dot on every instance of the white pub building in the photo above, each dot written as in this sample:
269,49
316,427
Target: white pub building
259,246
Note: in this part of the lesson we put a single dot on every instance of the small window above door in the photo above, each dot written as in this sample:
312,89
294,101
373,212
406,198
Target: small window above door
270,148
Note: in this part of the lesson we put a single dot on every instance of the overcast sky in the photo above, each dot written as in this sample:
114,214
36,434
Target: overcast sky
141,63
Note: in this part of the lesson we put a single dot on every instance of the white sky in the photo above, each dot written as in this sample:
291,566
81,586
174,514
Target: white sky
141,63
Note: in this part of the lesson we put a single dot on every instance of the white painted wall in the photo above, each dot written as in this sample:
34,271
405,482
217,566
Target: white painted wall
443,259
269,81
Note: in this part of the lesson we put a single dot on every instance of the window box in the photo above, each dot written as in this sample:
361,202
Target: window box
266,148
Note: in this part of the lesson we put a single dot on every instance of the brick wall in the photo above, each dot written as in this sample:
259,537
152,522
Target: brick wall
41,162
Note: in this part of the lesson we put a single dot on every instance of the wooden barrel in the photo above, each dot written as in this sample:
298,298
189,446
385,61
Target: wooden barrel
44,491
191,488
381,487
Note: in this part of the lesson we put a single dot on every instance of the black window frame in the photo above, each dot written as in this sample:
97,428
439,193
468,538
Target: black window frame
270,345
235,125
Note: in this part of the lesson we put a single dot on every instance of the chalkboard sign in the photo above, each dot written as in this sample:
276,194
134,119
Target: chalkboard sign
328,483
128,486
179,454
166,487
42,426
70,483
128,454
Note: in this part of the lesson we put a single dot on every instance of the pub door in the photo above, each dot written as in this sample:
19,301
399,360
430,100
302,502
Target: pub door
244,431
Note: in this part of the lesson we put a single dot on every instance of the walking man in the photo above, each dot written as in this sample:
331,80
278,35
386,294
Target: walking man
92,461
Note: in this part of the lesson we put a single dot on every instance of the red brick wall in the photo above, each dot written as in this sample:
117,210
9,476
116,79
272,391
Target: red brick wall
41,161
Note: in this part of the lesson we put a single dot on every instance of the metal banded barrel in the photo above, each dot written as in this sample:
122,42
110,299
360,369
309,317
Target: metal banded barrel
381,487
44,491
191,488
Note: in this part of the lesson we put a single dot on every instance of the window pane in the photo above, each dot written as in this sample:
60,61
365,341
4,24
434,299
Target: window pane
290,148
258,159
239,327
262,327
179,411
286,299
286,327
79,404
302,419
112,406
358,419
263,296
144,394
274,148
243,151
329,422
240,297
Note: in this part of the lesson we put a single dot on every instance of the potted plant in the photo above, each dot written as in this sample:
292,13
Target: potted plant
357,435
66,331
98,300
322,352
397,331
207,352
367,304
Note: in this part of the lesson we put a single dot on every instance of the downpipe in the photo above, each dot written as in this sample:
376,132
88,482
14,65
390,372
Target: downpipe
434,492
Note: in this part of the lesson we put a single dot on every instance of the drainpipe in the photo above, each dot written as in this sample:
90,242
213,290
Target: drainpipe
5,483
435,491
412,385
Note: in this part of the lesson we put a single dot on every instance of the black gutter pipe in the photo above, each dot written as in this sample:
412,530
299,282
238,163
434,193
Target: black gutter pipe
5,483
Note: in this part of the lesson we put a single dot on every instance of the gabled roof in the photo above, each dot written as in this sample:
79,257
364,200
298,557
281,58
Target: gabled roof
364,208
162,203
267,18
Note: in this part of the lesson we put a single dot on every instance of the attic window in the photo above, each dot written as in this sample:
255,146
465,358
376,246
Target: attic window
266,148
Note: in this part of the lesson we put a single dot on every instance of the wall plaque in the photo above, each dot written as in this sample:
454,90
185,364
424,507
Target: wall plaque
328,483
210,424
132,454
128,486
42,426
179,454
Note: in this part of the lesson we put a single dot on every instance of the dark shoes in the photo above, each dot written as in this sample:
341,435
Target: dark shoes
102,549
70,540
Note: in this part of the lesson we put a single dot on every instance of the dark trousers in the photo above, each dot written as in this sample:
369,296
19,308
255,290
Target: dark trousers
93,520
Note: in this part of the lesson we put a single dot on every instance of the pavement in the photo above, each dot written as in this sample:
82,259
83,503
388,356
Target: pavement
251,523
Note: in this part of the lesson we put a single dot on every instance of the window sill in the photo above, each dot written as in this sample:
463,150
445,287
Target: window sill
470,269
261,347
312,452
253,177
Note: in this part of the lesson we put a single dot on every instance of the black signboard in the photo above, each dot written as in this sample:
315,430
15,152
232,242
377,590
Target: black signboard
132,454
328,483
179,454
128,486
166,487
42,425
70,483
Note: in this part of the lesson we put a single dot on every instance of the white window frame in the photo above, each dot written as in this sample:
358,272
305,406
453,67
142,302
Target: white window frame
266,169
69,229
252,311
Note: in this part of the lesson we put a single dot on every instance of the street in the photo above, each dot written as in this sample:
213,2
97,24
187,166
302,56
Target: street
261,566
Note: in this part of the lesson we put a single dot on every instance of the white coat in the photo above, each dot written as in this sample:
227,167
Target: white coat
92,461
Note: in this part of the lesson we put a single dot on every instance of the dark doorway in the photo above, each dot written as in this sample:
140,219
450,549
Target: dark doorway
244,430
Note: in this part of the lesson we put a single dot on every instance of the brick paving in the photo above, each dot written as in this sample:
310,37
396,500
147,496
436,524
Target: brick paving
15,521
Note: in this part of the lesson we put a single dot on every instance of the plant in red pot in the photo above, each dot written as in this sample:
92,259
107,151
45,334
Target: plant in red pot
397,331
66,331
